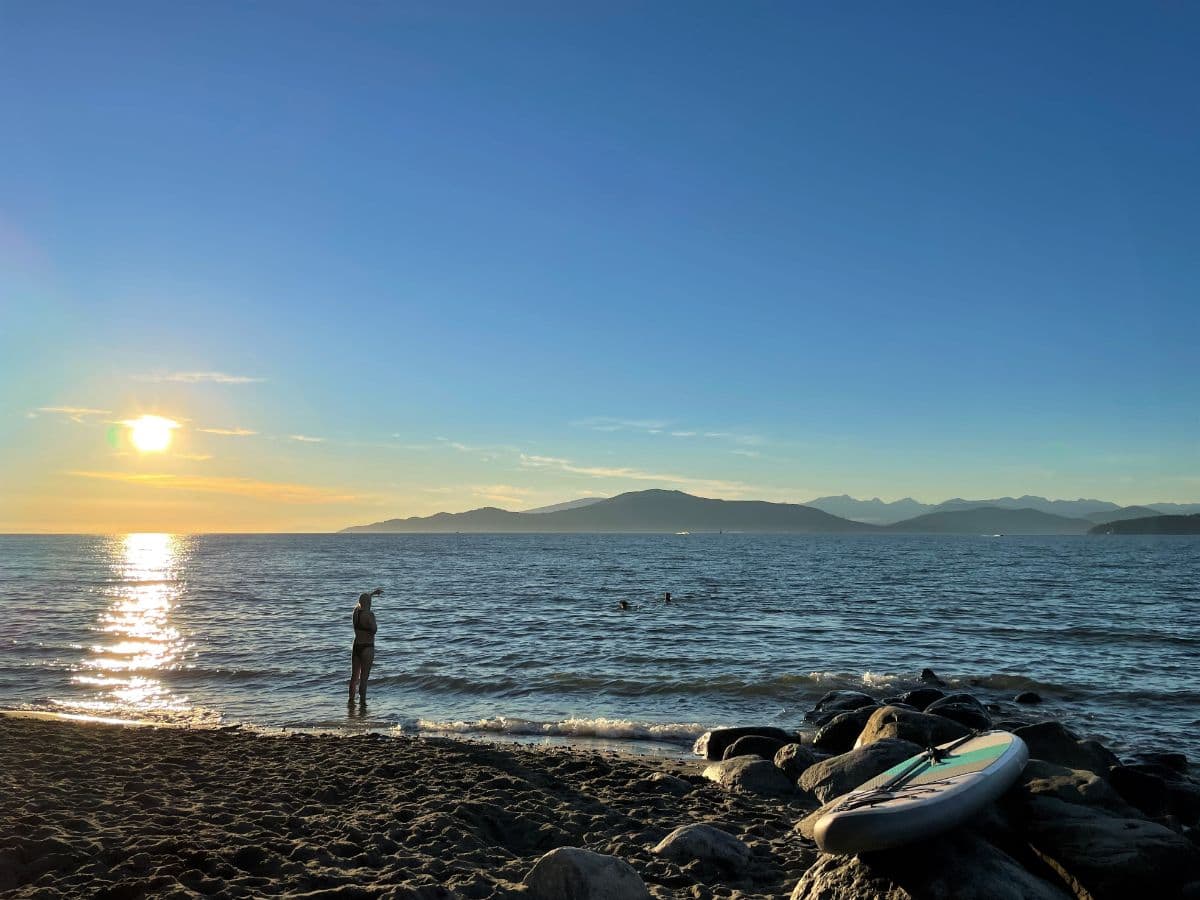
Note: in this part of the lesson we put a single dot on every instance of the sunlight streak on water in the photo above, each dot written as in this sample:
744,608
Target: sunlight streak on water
137,640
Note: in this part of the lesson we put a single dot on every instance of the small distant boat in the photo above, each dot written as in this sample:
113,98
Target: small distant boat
683,532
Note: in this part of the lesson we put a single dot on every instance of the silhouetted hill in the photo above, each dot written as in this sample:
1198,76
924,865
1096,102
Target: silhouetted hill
991,520
1152,525
1125,512
653,510
879,512
1071,509
570,504
1175,509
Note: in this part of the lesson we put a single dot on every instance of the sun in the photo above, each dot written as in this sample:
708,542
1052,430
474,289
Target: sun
151,434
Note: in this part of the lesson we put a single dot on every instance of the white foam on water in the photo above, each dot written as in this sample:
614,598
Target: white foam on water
611,729
849,679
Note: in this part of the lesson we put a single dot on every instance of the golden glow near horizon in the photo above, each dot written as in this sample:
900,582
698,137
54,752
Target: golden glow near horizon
151,434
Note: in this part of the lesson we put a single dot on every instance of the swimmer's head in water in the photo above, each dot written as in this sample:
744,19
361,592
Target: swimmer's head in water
364,600
624,604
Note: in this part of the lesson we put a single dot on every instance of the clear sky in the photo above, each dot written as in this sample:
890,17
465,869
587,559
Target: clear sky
515,253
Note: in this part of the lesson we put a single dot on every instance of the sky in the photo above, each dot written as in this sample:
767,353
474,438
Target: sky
385,259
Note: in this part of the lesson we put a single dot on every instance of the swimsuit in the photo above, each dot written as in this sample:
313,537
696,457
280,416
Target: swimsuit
358,647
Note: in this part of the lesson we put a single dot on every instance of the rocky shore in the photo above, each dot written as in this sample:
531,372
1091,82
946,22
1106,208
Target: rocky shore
118,812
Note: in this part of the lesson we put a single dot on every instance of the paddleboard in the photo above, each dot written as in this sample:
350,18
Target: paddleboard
925,795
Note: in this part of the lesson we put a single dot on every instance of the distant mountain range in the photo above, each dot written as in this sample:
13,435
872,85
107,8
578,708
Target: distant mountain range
879,512
1152,525
990,520
675,511
559,507
653,510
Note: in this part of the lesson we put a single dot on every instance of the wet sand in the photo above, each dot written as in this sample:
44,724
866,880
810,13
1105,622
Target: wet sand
90,809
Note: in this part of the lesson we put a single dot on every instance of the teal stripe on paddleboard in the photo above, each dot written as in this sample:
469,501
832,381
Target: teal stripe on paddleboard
955,764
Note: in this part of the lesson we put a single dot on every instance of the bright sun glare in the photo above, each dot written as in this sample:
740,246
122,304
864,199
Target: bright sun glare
151,434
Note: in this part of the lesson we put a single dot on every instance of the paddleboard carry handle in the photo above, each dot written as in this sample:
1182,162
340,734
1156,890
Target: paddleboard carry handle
931,754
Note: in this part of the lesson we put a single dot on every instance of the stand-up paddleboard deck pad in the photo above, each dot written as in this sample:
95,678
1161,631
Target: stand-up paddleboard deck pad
924,795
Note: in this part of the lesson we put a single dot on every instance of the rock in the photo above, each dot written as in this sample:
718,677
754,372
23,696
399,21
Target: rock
839,733
921,728
754,745
572,873
928,676
1106,857
672,784
921,697
750,775
705,843
962,708
711,745
1183,801
959,866
792,759
420,892
1140,789
1028,697
1052,742
836,702
1076,786
1176,762
838,775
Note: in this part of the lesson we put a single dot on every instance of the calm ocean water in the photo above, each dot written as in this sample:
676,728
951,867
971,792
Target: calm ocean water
521,634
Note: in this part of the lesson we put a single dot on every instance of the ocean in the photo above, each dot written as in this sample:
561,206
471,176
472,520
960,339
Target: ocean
521,635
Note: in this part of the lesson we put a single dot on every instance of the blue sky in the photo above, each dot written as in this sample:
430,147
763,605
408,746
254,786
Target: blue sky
531,251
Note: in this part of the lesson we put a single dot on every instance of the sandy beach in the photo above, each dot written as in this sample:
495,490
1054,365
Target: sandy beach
114,811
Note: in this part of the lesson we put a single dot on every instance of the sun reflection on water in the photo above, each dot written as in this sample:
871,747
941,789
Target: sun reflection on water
136,641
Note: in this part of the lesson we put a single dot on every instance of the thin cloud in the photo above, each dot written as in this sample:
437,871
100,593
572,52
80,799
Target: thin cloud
607,423
659,426
201,378
712,485
753,454
305,439
279,492
74,413
229,432
508,494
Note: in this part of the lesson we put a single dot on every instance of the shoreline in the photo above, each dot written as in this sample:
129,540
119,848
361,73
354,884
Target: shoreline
174,811
136,809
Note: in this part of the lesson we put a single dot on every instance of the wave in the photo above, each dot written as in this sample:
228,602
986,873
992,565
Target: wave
683,734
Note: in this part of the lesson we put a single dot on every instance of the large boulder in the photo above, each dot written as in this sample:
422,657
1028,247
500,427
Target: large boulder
920,728
960,866
750,775
1176,762
839,733
921,697
928,676
705,843
1108,857
1140,789
572,873
712,744
792,759
836,702
1076,786
1053,742
1183,801
754,745
962,708
838,775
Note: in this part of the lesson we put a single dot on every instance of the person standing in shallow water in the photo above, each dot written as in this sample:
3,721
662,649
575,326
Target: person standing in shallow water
362,653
